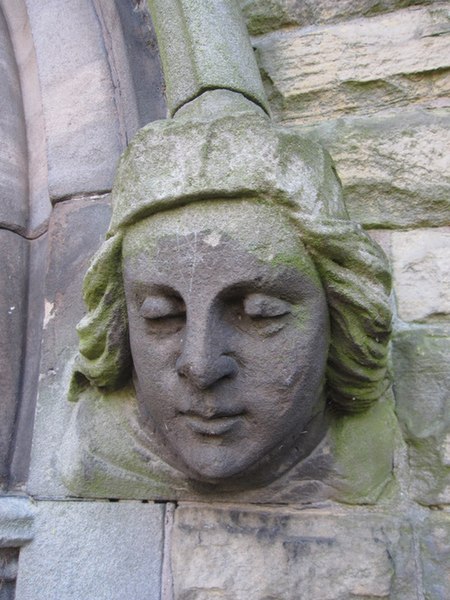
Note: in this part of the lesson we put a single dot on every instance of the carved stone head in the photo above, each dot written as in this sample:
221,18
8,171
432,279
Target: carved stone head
234,293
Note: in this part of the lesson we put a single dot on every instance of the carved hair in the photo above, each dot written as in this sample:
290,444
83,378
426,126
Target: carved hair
356,279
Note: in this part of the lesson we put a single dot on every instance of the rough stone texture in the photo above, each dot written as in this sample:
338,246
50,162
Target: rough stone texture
266,15
203,47
422,376
93,551
77,229
13,308
13,147
8,572
360,66
435,556
82,124
239,553
394,167
16,521
421,263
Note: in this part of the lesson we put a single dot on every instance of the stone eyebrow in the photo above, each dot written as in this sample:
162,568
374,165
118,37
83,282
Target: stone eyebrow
159,306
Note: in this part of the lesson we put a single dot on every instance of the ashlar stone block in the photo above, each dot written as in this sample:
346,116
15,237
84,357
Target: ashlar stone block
358,66
421,262
93,551
268,15
241,553
394,167
435,555
76,230
84,139
422,376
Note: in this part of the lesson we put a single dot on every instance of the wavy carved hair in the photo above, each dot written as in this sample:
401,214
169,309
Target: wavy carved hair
357,283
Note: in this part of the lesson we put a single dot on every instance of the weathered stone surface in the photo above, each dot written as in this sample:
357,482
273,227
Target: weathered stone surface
422,376
8,572
137,40
20,454
84,138
13,147
253,554
435,556
76,230
16,521
203,50
93,551
394,167
360,66
13,306
33,183
267,15
421,262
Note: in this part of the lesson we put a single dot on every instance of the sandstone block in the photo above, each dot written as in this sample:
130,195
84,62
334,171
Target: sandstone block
239,553
358,66
268,15
422,376
76,230
93,551
395,168
435,555
83,133
421,262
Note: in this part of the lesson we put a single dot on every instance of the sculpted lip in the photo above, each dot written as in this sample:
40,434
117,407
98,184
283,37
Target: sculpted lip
214,425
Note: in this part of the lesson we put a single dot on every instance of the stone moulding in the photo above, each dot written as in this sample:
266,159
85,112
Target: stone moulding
16,521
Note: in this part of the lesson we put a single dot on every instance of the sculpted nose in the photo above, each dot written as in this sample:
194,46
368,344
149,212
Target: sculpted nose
203,364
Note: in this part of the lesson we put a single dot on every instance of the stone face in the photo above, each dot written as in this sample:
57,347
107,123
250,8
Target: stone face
251,554
421,263
94,551
266,15
13,307
76,230
360,66
422,376
394,168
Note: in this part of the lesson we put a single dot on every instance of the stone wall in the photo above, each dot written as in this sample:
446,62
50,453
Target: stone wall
369,80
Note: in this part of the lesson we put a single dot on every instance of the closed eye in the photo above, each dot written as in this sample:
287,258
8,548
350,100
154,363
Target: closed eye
162,307
262,306
164,315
